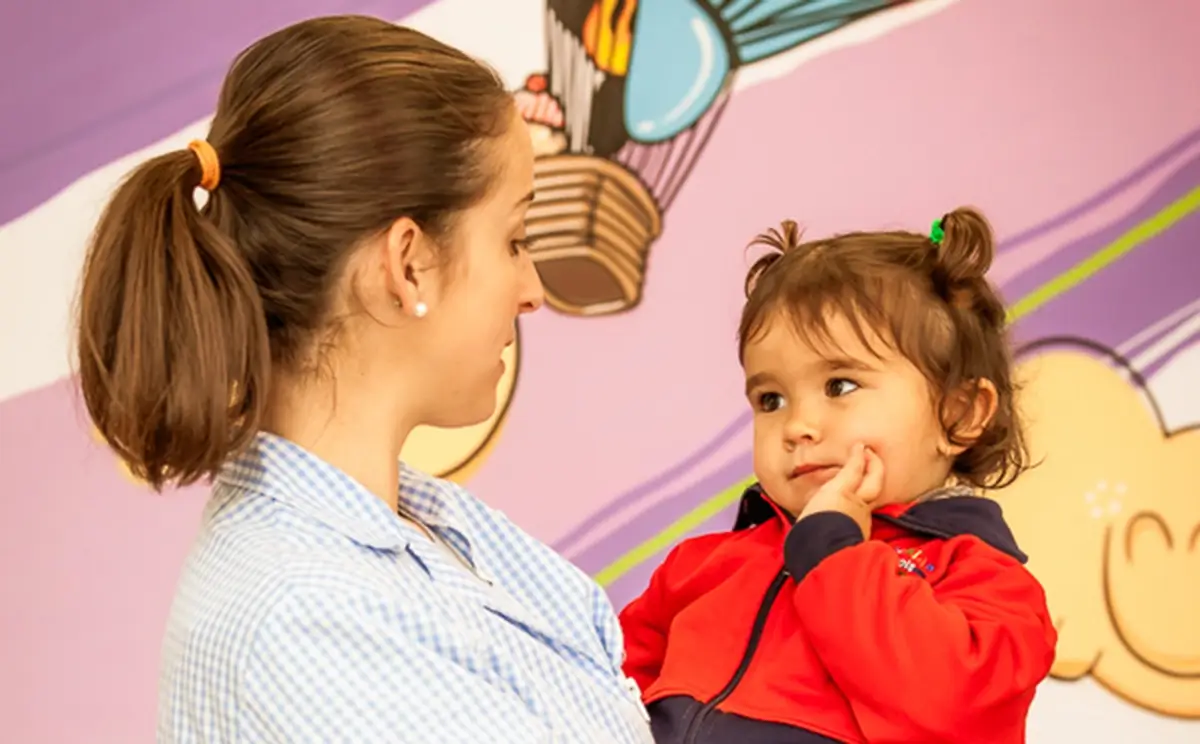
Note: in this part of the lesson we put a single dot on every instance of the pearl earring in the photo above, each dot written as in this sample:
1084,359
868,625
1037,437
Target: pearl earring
420,309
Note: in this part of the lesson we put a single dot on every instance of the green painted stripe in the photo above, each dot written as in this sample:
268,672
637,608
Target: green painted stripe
1064,282
677,529
1094,263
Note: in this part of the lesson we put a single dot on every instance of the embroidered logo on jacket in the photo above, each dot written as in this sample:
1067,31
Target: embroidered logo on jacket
913,561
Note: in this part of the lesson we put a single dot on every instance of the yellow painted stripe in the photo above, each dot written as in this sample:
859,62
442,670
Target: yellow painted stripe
1088,267
677,529
1064,282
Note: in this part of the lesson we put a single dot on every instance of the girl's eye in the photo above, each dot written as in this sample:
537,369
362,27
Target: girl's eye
839,386
768,402
518,245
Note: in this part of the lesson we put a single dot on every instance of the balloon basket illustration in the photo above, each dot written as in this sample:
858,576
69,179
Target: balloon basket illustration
591,225
632,93
592,220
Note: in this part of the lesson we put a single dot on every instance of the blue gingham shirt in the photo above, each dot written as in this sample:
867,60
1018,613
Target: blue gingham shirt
309,612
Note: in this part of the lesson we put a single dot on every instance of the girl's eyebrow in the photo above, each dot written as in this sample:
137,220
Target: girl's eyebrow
756,379
845,362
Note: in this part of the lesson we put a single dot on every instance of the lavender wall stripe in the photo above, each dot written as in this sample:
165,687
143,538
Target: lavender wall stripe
653,484
658,517
633,583
1044,228
1180,182
110,82
1149,283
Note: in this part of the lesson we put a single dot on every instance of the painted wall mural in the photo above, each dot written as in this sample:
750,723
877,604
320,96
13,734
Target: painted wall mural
632,93
1111,527
617,127
669,132
1111,516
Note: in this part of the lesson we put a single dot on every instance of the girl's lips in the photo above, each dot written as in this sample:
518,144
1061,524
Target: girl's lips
802,470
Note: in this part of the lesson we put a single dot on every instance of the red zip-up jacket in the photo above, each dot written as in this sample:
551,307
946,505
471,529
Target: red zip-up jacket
930,631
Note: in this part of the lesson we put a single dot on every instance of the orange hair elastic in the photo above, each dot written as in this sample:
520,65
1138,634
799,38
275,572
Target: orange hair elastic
210,165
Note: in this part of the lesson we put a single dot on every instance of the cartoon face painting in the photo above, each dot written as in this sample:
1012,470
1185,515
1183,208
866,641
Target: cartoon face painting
1110,517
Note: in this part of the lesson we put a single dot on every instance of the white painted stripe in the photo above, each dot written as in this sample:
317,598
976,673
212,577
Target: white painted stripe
1147,334
867,30
1174,389
1169,343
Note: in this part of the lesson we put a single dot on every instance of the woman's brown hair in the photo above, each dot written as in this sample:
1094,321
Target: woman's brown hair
326,132
928,299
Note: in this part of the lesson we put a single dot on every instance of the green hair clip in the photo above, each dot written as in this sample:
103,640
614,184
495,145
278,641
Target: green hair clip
936,233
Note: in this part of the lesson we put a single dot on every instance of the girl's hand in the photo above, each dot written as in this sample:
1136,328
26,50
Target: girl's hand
853,490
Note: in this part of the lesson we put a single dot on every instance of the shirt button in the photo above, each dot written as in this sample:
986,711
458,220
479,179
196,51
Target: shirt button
636,693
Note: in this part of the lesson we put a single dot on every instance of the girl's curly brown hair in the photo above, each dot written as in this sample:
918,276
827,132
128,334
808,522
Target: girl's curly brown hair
929,301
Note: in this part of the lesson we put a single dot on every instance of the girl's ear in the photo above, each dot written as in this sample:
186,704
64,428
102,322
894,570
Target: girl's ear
967,413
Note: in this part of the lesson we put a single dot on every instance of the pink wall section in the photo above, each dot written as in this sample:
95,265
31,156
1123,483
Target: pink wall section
1024,107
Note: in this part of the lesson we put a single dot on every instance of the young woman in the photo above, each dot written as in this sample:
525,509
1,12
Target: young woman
356,271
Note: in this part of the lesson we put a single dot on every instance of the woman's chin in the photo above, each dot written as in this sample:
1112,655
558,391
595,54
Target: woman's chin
458,437
468,413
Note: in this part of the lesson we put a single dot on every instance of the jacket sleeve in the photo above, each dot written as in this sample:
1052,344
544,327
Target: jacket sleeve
955,660
644,623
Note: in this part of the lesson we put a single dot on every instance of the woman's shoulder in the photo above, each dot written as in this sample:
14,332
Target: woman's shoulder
256,553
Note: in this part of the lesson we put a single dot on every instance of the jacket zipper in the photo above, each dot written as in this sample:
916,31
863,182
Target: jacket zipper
760,621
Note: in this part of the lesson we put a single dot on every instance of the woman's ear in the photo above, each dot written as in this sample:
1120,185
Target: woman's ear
408,256
967,412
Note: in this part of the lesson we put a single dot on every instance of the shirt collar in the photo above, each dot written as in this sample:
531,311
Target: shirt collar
439,504
429,499
292,475
944,492
757,507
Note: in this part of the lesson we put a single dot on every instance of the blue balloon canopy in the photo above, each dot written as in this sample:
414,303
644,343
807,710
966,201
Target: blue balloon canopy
684,51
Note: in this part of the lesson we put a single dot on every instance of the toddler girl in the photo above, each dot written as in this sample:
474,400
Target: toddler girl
866,593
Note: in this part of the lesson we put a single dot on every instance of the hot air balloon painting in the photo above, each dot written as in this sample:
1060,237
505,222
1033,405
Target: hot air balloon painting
633,91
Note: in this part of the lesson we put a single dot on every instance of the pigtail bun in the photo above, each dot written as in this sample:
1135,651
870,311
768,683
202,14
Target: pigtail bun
778,242
968,246
960,264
